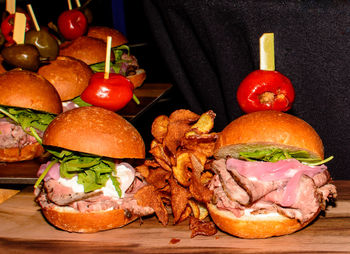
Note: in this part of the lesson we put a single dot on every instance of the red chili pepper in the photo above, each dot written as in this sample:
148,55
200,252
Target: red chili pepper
112,93
72,24
265,90
7,26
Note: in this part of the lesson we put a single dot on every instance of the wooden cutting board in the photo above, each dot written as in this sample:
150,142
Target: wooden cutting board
24,230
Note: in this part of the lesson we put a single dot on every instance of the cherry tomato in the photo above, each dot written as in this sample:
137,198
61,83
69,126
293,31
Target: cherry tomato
72,24
112,93
265,90
8,24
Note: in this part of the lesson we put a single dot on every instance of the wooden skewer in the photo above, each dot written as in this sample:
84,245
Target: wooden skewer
19,28
108,57
77,3
11,6
267,52
69,4
30,9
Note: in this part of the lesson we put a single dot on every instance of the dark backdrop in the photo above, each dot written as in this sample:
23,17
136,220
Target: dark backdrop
210,46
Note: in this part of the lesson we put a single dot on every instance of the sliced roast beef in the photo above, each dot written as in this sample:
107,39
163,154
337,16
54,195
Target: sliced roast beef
221,199
54,193
12,135
63,195
321,178
229,185
307,200
288,187
255,188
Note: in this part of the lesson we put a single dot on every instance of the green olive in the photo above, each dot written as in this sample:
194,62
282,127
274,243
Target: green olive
45,43
22,55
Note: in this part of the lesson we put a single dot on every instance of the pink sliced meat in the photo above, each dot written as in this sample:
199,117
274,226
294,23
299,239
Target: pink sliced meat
288,187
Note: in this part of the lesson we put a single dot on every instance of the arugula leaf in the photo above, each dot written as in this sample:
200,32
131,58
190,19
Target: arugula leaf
29,120
93,171
79,101
277,154
118,61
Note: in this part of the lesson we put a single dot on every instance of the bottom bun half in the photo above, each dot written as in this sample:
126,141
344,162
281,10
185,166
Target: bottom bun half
73,221
27,152
138,78
254,226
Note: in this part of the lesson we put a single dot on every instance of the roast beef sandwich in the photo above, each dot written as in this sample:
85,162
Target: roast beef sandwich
90,183
28,103
91,49
270,178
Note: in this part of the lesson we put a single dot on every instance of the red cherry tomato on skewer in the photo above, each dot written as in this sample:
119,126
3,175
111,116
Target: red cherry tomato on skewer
112,93
8,24
265,90
72,24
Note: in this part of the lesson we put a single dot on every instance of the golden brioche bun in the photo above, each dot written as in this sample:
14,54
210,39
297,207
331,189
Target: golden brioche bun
96,131
68,75
87,49
27,152
268,129
255,226
101,32
26,89
74,221
137,79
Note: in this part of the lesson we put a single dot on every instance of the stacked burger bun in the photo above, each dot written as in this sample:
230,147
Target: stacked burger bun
101,32
24,90
87,49
70,77
91,49
260,199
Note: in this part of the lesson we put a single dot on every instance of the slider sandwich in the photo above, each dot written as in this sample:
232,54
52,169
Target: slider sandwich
270,176
89,185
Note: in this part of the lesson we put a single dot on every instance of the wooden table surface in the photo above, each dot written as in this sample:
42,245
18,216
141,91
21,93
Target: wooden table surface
24,230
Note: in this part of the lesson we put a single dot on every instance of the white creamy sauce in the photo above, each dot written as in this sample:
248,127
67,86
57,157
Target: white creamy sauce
125,177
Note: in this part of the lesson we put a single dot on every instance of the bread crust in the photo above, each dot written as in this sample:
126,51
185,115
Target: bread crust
89,222
27,152
268,128
137,79
101,32
253,227
68,75
87,49
96,131
25,89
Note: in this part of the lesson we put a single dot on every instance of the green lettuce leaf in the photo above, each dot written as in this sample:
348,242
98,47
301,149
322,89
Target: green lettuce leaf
93,171
277,154
118,61
79,101
30,120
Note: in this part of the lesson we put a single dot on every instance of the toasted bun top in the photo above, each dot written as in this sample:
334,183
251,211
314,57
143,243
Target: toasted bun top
268,129
87,49
25,89
68,75
96,131
101,32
